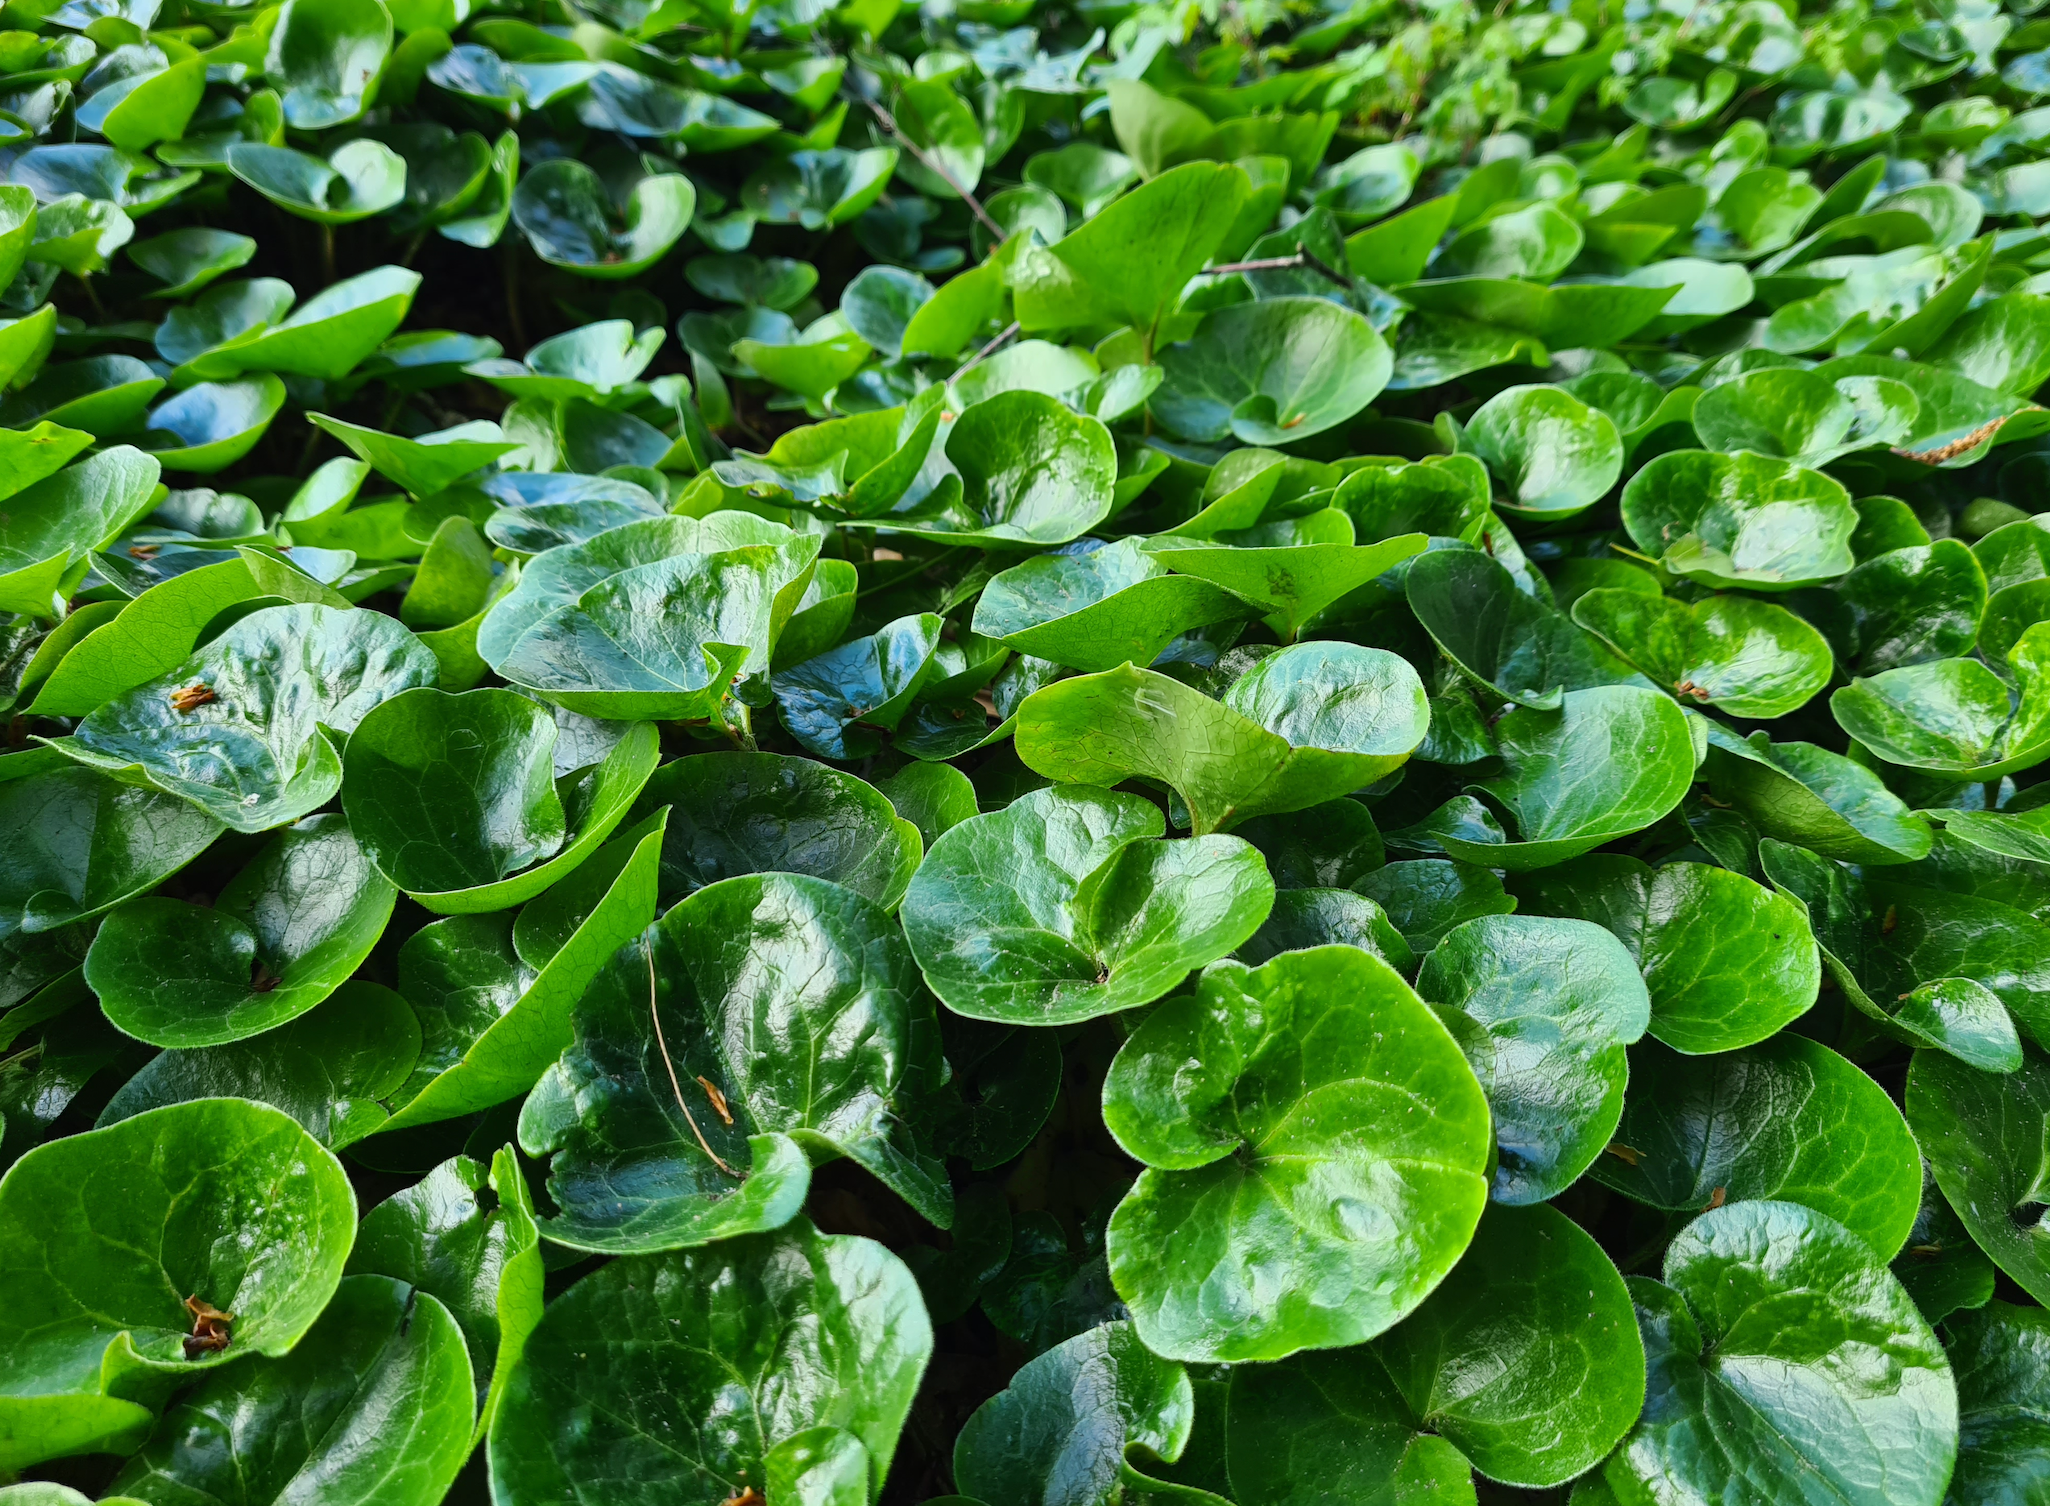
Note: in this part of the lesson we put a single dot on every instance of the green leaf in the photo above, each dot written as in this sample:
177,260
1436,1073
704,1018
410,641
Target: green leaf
572,221
457,799
1279,1190
1983,1135
1908,605
222,1199
806,1018
818,189
831,703
51,525
1786,1119
1060,1433
1538,241
1031,473
1740,520
82,843
209,427
329,334
1304,725
1439,1395
1792,414
1305,918
1068,904
738,813
1094,606
374,1405
650,619
1767,1322
1817,799
1556,455
1948,978
1502,638
682,1371
2001,1358
1955,718
1293,582
465,1235
1748,657
359,179
425,465
1128,263
1727,961
1271,372
324,59
333,1069
1942,1268
493,992
281,935
1543,1009
1610,761
257,751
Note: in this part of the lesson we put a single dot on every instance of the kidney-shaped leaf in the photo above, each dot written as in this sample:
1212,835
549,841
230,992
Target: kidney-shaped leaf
1983,1135
1068,904
1797,792
1727,961
794,1013
1783,1358
1745,521
1554,454
223,1200
1286,1204
282,935
243,727
456,799
1095,606
1749,657
1955,718
1787,1118
1272,372
1303,726
1442,1394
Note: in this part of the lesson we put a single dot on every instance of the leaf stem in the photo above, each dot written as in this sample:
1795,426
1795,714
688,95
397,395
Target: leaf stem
675,1086
1008,332
889,123
1301,260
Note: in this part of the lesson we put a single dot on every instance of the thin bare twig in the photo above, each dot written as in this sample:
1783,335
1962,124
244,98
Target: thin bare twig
1301,261
675,1085
1008,332
889,123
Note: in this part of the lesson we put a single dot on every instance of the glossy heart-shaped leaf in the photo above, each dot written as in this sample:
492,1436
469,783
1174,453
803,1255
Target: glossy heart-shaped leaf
377,1401
457,800
1031,471
51,525
333,1069
1820,800
1955,718
1277,1127
736,813
1067,904
281,935
84,843
221,1199
1787,1118
1062,1428
735,1349
360,179
1610,761
465,1235
1745,521
209,427
324,59
1797,1405
1302,726
1983,1135
1430,1401
1293,582
572,221
1796,415
1271,372
806,1028
1501,637
242,728
1727,961
1748,657
1543,1009
1555,455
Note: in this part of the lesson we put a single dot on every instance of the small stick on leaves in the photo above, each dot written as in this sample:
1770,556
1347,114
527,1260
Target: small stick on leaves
1301,261
987,351
676,1086
889,123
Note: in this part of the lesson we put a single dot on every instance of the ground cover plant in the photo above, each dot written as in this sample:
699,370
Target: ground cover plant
1037,752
